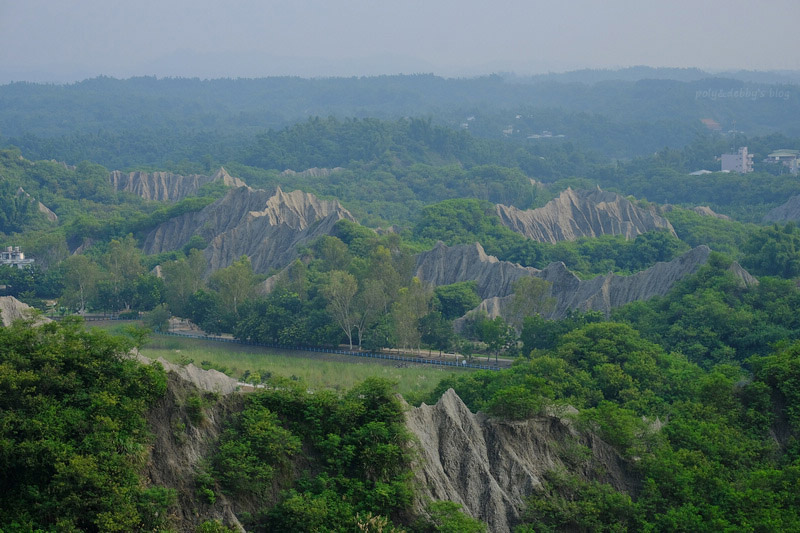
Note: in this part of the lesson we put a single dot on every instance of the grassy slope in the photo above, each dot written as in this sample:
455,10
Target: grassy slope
320,371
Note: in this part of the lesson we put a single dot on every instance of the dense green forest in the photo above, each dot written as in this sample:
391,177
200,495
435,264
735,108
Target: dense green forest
149,121
696,388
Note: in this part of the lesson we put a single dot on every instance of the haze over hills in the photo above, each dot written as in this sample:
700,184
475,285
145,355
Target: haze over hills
215,117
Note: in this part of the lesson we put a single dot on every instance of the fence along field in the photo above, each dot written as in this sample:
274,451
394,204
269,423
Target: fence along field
318,370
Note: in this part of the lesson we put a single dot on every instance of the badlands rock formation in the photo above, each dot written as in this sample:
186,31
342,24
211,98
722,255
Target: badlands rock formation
577,214
267,227
12,309
495,279
311,172
167,187
490,466
445,265
703,210
790,211
43,209
708,212
182,447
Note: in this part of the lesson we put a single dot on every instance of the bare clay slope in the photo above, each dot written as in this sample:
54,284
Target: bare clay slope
12,309
577,214
184,441
790,211
490,466
267,227
445,265
487,465
165,186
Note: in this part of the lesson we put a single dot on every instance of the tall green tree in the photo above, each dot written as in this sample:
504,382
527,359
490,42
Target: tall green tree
234,284
370,302
123,262
531,297
340,291
413,302
81,276
456,299
182,278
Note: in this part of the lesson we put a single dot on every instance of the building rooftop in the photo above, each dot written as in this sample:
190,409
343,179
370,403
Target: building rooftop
784,152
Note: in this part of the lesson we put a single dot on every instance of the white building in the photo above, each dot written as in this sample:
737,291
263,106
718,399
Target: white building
14,257
789,158
740,162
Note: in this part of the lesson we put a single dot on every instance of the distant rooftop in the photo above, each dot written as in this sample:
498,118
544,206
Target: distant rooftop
783,152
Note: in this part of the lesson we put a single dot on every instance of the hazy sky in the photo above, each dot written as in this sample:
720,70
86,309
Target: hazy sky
64,40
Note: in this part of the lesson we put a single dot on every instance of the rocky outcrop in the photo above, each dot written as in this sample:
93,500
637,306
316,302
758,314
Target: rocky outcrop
790,211
43,209
702,210
577,214
445,265
12,309
183,443
490,467
708,212
311,172
167,187
266,226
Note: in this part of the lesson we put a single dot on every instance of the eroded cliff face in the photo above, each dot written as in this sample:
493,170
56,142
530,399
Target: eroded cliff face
490,466
314,172
445,265
790,211
184,442
577,214
12,309
266,226
702,210
43,209
165,186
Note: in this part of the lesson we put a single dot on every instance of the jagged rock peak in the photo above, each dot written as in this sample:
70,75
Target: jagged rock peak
227,179
444,265
297,209
490,467
790,211
266,226
165,186
575,214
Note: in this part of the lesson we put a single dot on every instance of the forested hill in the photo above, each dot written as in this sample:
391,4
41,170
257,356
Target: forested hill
693,384
149,121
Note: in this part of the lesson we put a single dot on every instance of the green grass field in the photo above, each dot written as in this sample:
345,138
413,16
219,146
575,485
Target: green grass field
317,370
